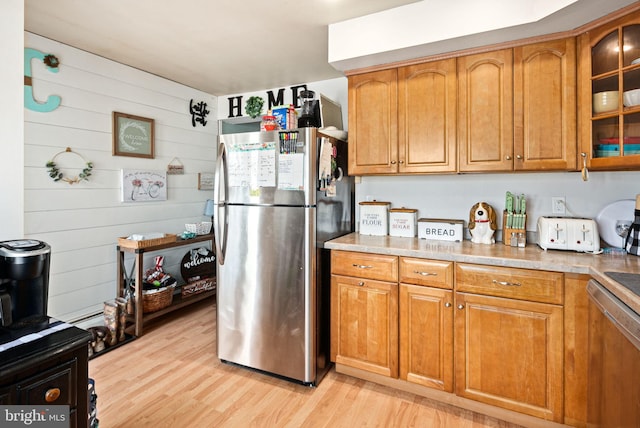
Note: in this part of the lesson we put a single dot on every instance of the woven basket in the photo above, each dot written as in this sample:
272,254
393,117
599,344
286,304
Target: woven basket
130,243
157,300
199,228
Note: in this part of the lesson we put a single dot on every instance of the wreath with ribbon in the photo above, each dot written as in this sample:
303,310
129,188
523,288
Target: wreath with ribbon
56,175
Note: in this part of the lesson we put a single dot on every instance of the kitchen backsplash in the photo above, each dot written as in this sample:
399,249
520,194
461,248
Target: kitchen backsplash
452,196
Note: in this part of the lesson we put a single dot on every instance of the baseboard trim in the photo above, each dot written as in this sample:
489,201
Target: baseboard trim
450,398
94,320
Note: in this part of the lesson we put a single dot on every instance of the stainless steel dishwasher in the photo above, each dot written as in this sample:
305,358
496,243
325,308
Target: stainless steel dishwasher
614,361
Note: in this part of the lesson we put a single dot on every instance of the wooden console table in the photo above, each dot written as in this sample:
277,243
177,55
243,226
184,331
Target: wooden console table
136,278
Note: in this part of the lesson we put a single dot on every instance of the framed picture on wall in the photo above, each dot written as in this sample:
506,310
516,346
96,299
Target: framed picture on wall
132,136
205,181
143,186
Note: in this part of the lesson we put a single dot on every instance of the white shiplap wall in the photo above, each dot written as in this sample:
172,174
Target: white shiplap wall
82,222
11,118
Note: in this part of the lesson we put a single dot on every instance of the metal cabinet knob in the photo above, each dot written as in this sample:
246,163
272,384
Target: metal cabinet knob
447,305
508,157
52,395
393,162
360,284
519,157
460,306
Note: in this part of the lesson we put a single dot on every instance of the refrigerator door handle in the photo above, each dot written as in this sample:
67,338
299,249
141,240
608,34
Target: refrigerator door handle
220,202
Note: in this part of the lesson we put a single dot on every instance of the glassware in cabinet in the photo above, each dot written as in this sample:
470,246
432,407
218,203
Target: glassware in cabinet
606,137
615,91
631,132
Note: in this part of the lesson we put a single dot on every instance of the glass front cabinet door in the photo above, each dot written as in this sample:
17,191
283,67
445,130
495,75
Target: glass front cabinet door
610,95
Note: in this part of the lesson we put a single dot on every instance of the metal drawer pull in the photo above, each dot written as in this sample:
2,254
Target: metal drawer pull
362,266
52,395
425,273
507,283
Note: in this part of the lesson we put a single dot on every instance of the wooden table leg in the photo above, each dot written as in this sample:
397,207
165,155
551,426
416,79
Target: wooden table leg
139,279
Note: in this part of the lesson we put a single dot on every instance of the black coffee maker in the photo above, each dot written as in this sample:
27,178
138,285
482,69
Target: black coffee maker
310,110
24,283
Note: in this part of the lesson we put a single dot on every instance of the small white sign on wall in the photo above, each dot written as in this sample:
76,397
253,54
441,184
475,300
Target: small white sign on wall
142,185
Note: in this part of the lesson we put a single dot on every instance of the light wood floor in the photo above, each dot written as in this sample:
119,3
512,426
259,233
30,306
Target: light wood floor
170,377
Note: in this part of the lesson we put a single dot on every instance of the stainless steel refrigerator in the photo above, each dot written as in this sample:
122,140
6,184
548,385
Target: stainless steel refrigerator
278,197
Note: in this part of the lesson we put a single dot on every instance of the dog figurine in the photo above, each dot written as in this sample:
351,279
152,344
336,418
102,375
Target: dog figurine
482,223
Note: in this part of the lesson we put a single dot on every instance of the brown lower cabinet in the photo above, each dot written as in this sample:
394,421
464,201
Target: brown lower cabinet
426,322
509,338
367,324
495,335
364,311
509,354
426,336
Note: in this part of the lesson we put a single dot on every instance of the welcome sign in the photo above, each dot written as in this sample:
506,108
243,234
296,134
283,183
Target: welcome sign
132,135
198,263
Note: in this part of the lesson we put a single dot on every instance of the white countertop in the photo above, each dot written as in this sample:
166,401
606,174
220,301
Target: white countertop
530,257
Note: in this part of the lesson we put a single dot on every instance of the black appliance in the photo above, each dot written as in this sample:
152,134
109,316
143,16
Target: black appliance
24,283
310,110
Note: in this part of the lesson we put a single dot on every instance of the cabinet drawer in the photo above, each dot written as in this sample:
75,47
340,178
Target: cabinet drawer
55,386
432,273
522,284
364,265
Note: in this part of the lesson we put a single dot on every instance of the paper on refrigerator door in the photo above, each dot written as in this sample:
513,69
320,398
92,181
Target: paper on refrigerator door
252,165
324,164
291,171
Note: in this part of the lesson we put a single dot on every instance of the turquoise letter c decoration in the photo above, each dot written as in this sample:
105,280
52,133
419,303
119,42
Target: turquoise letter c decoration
53,101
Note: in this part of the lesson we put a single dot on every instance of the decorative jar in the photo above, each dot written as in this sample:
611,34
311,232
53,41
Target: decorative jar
268,123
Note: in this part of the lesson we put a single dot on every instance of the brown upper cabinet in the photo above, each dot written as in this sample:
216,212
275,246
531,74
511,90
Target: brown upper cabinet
505,110
403,120
485,111
610,116
544,86
427,117
373,123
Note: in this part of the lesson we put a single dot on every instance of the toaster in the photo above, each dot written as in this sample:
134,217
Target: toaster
568,233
